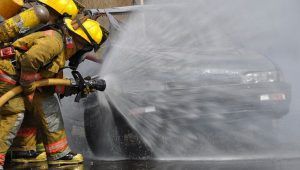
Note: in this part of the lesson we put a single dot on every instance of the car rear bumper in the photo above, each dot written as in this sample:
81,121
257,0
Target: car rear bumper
220,102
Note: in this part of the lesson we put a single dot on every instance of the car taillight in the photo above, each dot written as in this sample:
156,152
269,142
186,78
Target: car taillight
273,97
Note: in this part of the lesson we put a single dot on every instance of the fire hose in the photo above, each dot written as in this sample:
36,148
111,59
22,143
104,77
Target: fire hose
78,82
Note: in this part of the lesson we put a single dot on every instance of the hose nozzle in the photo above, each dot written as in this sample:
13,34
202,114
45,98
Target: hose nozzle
86,85
97,84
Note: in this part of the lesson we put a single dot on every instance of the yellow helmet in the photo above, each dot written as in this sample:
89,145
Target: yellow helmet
89,30
62,6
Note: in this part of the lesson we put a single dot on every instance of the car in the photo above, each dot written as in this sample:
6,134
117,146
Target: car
177,71
226,85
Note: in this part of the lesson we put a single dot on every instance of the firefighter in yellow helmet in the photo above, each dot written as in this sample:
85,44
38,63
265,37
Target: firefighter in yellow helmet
34,16
37,56
62,7
58,9
9,8
25,140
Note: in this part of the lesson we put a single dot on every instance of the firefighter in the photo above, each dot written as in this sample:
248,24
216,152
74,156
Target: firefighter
32,17
65,8
41,55
27,145
61,8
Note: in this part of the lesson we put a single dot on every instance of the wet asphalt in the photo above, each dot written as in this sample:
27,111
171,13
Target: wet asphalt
274,164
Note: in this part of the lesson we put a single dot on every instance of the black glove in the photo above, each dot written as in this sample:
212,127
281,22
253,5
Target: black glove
69,91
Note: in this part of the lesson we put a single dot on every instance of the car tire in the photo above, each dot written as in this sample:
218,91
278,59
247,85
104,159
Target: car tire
101,133
108,133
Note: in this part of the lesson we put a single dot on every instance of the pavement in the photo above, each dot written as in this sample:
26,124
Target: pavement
271,164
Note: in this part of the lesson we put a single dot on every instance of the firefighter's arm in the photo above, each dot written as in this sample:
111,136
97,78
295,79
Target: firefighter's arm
41,53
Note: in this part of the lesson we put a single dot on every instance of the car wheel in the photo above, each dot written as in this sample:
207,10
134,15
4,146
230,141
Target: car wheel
108,134
101,133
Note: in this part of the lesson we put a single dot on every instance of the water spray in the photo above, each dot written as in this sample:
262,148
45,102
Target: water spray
192,60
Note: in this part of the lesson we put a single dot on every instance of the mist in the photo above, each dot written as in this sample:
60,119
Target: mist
172,44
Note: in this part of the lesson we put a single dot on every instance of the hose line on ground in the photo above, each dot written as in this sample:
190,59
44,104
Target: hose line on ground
46,82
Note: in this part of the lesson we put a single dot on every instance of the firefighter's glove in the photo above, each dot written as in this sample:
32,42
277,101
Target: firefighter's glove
28,88
73,90
27,82
69,91
88,89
